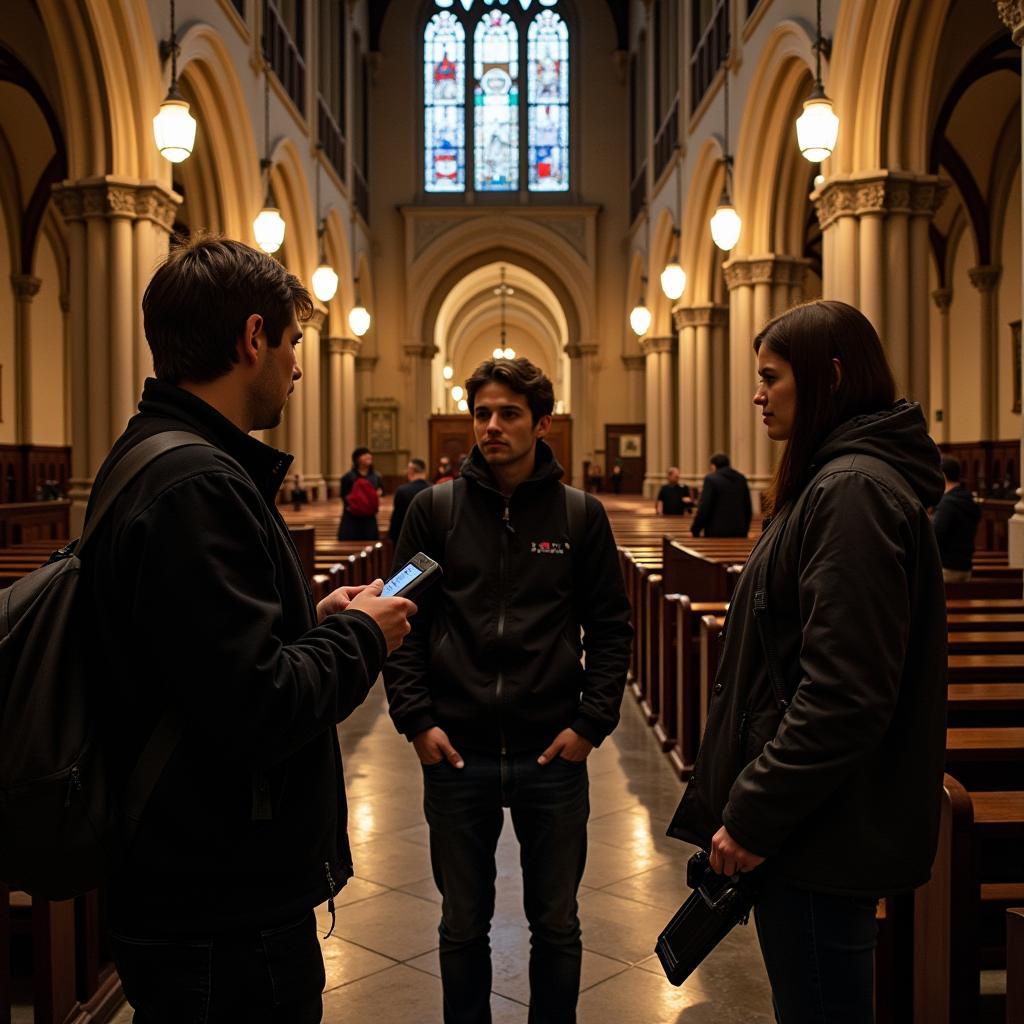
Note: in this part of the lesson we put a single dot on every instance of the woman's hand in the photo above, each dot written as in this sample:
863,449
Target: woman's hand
727,857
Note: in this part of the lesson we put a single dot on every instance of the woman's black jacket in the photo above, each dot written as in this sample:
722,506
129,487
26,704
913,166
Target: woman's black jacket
199,605
842,792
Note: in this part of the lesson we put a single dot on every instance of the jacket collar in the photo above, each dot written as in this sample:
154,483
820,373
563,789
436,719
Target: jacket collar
546,467
266,465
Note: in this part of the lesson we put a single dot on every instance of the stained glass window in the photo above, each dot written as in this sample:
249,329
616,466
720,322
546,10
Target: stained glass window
444,91
496,103
472,51
548,124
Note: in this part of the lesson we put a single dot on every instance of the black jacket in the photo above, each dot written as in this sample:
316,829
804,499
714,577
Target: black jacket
842,793
955,523
403,497
200,605
494,654
724,508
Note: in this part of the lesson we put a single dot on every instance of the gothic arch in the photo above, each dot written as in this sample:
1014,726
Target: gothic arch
288,183
704,283
663,248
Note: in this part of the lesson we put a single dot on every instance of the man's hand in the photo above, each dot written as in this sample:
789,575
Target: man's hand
727,857
390,613
337,601
568,745
432,745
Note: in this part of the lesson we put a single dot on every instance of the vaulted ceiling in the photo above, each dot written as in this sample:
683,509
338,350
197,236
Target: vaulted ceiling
619,11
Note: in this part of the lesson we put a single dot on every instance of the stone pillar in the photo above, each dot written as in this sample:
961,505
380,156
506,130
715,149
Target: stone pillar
109,270
365,365
660,410
341,407
583,371
943,298
312,450
702,386
419,364
985,280
26,288
634,366
1012,14
759,288
875,247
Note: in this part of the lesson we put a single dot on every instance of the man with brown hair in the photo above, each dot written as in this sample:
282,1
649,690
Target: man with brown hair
491,691
205,632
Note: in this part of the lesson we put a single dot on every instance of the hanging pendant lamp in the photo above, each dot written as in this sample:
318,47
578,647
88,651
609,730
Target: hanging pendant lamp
174,128
817,128
269,225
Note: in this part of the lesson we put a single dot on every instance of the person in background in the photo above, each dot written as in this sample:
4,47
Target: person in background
416,481
674,498
360,498
595,478
461,462
616,477
826,731
955,522
444,470
724,509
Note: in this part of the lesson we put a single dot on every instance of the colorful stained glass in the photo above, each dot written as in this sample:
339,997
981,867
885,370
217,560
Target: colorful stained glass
547,51
496,103
444,93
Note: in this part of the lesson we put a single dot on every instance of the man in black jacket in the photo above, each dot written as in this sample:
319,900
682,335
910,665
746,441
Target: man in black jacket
416,481
201,616
724,509
955,523
491,691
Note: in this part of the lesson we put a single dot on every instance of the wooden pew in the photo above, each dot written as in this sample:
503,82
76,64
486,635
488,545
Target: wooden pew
1015,965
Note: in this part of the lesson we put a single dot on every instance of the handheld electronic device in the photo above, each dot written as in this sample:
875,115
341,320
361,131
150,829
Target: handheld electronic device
416,577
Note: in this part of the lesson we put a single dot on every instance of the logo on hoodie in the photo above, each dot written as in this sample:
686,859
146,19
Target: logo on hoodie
547,547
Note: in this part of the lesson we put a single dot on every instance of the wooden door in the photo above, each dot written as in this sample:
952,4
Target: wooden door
627,443
452,435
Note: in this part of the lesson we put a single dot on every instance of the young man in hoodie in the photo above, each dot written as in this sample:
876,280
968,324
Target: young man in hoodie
491,691
724,509
955,523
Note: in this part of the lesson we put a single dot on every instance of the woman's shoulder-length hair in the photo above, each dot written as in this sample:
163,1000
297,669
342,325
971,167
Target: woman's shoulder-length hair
811,337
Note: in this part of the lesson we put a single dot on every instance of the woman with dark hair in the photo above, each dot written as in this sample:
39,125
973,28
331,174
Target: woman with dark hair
360,499
823,753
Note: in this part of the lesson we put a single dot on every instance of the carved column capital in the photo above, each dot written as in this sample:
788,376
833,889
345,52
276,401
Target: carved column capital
420,351
700,316
634,363
155,203
650,345
365,364
787,270
1011,12
316,319
26,287
105,197
943,299
344,346
985,278
582,350
881,193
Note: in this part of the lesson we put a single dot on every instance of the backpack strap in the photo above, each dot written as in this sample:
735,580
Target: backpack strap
128,467
442,503
576,516
148,769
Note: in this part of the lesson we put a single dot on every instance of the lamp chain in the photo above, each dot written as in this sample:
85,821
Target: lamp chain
174,51
817,49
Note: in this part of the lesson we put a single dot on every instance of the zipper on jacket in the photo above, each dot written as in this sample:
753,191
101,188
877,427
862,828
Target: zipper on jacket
74,783
502,562
330,895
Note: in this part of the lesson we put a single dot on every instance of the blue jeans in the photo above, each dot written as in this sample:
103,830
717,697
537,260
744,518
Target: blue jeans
550,805
274,976
819,951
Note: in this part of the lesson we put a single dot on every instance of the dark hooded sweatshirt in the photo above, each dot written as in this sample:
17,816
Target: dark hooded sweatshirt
842,792
955,523
494,653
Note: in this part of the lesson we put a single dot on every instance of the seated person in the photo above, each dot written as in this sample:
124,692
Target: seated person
955,521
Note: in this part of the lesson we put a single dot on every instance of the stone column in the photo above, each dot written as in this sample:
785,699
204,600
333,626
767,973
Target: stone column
341,407
634,366
660,410
1012,14
419,365
943,298
702,386
759,289
365,365
312,451
583,370
154,218
26,288
109,269
875,246
985,280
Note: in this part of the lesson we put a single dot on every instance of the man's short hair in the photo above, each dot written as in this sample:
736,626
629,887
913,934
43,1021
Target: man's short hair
196,305
719,460
518,375
419,465
951,469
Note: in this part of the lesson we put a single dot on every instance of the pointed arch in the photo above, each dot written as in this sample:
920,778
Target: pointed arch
662,249
705,285
288,184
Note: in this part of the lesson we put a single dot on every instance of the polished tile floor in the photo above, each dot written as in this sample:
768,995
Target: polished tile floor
382,958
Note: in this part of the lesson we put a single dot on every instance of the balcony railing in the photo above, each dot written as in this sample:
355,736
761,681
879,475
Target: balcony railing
331,138
279,48
637,194
667,139
362,194
709,54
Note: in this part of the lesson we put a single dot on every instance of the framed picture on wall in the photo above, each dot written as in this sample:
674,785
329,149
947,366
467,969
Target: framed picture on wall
1015,341
631,446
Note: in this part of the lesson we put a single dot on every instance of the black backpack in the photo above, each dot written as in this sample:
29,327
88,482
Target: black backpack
62,825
